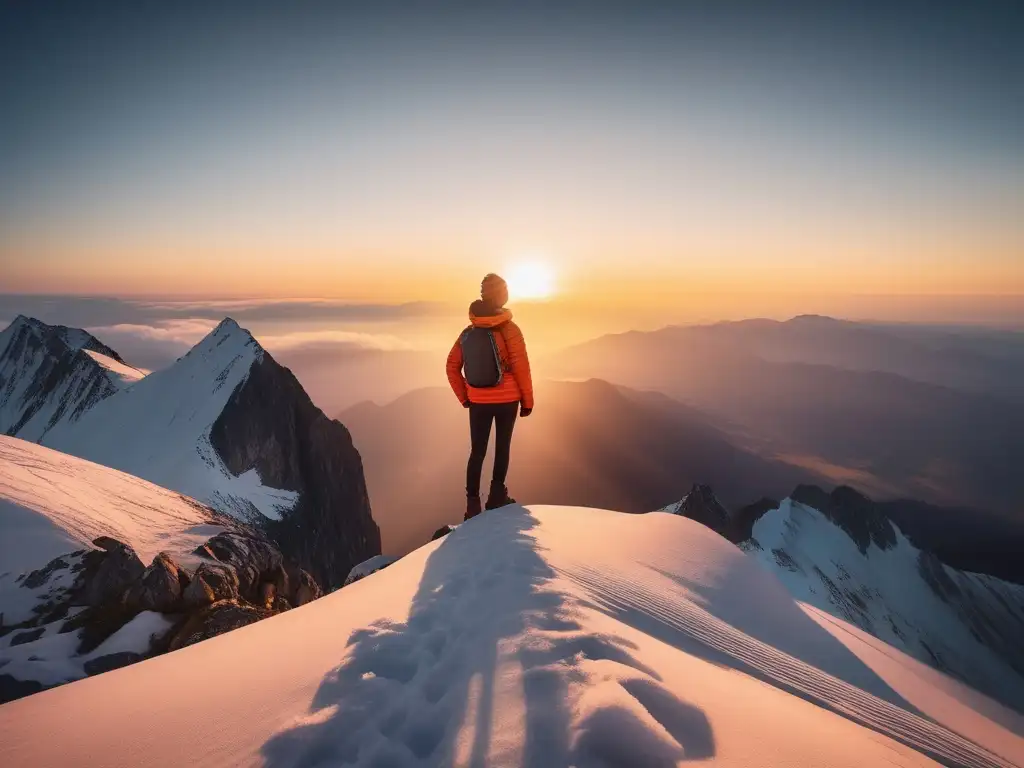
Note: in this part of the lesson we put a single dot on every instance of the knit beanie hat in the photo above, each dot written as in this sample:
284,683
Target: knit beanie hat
494,290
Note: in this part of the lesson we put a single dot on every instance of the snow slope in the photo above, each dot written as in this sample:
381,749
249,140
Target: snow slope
543,637
969,625
51,375
159,428
52,504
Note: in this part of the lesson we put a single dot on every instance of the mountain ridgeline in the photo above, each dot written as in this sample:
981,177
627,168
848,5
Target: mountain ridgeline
269,424
845,554
225,424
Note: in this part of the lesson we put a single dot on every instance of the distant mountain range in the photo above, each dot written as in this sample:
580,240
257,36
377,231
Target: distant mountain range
926,413
225,424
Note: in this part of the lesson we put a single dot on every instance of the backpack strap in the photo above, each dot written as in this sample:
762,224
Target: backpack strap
505,365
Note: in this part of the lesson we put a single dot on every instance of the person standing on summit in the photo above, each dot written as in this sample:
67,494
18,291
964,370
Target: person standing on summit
490,375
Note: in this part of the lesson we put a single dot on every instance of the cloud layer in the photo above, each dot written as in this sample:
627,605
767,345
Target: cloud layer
153,333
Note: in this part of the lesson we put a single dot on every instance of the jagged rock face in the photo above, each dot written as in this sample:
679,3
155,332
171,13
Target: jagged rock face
746,517
701,505
46,377
859,516
270,424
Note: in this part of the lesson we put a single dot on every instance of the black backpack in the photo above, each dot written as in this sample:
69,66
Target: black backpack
481,363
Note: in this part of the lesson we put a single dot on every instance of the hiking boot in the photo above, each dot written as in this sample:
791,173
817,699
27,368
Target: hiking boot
472,507
498,497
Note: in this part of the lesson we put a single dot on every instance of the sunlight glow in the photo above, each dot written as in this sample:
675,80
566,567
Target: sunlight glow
531,280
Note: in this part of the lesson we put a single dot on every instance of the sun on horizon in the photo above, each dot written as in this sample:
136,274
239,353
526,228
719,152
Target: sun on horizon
531,280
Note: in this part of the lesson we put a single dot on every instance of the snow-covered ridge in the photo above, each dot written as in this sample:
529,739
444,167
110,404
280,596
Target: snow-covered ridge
514,640
159,427
53,374
968,625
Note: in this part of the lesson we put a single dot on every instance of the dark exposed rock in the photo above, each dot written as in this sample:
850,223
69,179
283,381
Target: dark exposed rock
159,589
27,637
110,662
204,551
744,518
216,619
250,555
280,579
109,573
935,576
11,688
98,623
701,505
210,583
441,532
268,594
270,424
281,604
306,590
811,496
38,578
861,518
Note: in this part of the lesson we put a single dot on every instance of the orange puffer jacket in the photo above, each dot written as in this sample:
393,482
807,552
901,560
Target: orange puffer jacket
516,385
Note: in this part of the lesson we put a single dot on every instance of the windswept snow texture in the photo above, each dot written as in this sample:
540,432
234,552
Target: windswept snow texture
52,504
968,625
50,374
159,428
542,637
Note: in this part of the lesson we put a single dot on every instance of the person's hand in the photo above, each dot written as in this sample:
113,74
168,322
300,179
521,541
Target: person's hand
465,403
524,411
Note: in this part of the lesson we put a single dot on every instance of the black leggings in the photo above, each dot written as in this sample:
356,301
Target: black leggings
480,418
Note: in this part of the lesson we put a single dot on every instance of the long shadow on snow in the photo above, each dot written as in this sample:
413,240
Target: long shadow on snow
404,691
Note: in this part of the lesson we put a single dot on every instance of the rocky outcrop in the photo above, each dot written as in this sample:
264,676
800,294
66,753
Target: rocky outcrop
269,424
701,505
242,577
160,587
110,662
441,532
253,558
110,574
210,583
216,619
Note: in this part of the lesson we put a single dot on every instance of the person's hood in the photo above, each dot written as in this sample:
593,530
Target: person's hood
483,315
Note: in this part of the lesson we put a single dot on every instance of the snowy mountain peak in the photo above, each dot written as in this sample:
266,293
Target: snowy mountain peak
51,373
228,426
74,338
225,341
